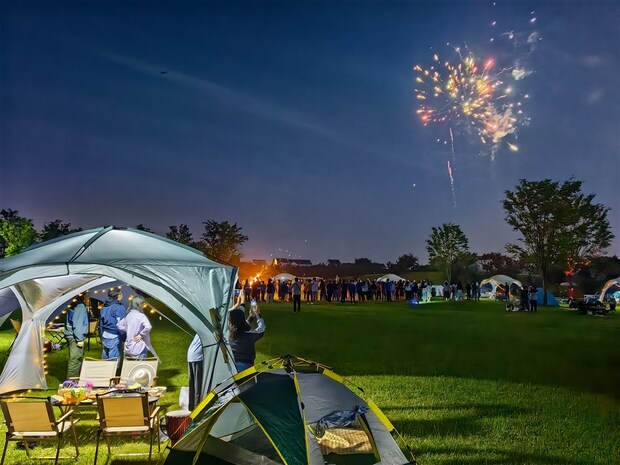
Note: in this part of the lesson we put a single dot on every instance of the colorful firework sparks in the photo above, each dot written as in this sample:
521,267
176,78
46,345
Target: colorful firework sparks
469,94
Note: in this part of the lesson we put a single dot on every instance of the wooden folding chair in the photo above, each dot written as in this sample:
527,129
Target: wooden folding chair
34,420
99,372
93,332
126,415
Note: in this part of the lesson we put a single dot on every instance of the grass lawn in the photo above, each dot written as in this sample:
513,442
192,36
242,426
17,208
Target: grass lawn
465,383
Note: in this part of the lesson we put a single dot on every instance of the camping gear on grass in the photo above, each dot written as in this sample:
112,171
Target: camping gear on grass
177,422
273,417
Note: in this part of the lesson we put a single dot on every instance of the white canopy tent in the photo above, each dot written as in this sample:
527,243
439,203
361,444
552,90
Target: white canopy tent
45,276
392,277
488,287
610,289
284,277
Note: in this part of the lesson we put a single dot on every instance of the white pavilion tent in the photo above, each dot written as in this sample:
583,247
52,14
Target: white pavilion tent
488,287
48,275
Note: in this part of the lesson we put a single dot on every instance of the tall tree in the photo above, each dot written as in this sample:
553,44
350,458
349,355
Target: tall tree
18,232
141,227
498,263
222,240
180,234
56,228
557,222
447,246
406,262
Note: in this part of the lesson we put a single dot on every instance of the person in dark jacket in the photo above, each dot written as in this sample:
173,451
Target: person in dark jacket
112,313
242,337
75,331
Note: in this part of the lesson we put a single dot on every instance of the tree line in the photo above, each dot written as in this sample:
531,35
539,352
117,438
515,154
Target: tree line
558,226
219,240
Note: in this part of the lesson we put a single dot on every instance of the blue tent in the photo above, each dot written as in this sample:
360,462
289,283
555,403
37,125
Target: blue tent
551,300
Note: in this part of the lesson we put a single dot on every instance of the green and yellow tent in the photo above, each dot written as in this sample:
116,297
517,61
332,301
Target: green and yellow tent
274,417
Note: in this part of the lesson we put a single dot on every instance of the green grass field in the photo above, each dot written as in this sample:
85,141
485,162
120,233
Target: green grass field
465,383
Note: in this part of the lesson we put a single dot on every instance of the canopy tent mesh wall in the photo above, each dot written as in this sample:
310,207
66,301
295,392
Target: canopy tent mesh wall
197,289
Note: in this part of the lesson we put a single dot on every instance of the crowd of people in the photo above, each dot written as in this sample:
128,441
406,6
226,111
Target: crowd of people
312,290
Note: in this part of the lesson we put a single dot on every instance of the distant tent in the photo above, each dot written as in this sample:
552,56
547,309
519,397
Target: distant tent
392,277
488,287
284,277
551,300
611,289
298,412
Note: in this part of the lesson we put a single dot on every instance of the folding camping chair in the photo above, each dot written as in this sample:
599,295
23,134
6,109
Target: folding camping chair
34,420
93,332
126,415
98,372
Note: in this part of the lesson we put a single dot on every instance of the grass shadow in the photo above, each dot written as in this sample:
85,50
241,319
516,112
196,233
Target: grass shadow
472,456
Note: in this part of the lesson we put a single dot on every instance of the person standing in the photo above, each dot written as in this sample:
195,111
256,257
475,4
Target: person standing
533,291
76,328
296,291
271,288
242,337
138,329
314,290
194,372
112,313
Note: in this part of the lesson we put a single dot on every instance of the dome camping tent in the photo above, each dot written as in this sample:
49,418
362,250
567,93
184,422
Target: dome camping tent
611,289
302,413
391,276
48,275
488,287
284,277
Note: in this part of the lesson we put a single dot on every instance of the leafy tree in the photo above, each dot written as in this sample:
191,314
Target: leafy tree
406,262
18,232
497,263
9,214
55,229
557,222
141,227
180,234
447,246
222,240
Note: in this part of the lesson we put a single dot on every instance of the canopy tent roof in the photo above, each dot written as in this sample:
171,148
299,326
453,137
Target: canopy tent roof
391,276
48,274
500,279
611,287
284,277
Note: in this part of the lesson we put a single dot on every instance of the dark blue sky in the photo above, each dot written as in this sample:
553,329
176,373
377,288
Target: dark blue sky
294,119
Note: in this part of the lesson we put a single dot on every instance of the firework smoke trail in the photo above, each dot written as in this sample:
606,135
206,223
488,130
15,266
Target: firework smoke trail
450,167
452,183
452,145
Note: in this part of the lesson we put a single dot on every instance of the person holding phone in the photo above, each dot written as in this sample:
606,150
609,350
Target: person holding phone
242,337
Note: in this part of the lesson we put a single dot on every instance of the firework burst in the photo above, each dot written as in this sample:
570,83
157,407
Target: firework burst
471,95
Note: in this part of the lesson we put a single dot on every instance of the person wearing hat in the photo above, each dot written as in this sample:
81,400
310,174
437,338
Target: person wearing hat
76,328
112,313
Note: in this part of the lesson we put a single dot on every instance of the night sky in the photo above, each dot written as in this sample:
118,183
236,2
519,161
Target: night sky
297,120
